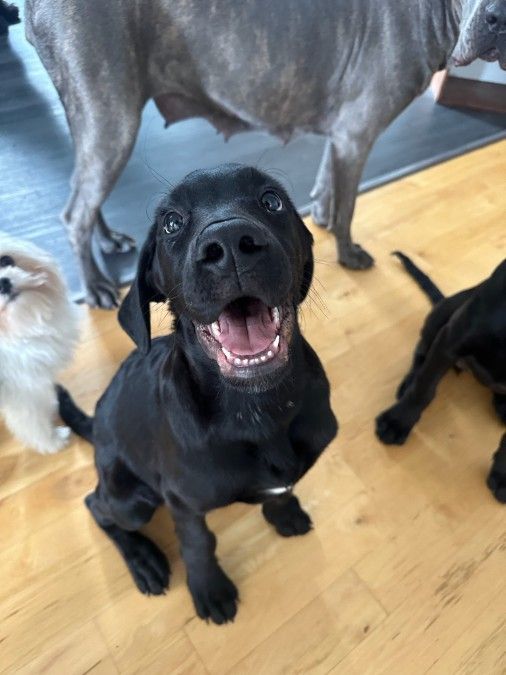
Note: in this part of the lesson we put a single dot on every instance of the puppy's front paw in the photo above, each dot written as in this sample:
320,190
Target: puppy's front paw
391,428
215,597
288,518
60,439
355,258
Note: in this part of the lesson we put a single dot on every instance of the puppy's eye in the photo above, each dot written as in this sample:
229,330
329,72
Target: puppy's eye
172,222
6,261
271,201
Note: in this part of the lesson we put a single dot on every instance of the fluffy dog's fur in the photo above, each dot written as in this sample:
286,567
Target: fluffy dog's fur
467,331
234,404
38,329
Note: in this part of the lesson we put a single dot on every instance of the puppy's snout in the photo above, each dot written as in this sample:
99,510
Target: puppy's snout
495,16
228,246
5,286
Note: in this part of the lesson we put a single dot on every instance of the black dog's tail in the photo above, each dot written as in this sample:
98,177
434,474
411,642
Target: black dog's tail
428,287
74,417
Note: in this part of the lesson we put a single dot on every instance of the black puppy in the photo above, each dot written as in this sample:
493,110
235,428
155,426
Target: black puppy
467,331
234,404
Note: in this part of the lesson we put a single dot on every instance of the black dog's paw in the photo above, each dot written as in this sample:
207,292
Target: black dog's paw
391,429
148,566
215,596
288,517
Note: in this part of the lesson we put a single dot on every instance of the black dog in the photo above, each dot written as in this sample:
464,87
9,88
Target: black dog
467,331
234,404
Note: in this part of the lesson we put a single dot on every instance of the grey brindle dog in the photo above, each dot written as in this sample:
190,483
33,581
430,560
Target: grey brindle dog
341,68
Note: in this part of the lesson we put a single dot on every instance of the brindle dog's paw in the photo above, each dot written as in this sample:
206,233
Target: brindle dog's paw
288,518
102,293
355,258
215,597
115,242
148,565
391,429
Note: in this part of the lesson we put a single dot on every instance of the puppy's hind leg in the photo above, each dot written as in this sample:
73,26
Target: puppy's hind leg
31,417
121,504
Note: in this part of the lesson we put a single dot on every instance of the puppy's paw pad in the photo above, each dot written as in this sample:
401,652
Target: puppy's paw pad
149,568
355,258
216,599
390,430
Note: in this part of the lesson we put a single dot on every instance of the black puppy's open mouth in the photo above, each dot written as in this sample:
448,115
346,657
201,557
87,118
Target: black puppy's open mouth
248,338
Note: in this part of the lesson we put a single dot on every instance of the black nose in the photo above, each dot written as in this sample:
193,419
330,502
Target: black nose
231,245
495,16
5,286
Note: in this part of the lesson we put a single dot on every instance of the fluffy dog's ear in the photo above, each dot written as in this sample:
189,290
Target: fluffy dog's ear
308,269
133,315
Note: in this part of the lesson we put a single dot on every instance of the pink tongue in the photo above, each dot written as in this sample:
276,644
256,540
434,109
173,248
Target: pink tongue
246,329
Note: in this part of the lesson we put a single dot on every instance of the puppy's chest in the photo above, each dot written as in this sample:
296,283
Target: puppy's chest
243,472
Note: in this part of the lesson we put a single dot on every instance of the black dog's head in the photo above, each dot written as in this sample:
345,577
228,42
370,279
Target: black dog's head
230,253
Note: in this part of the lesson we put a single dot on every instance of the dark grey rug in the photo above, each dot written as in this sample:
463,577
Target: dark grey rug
36,156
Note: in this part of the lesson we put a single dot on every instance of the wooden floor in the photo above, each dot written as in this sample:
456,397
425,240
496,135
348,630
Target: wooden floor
405,571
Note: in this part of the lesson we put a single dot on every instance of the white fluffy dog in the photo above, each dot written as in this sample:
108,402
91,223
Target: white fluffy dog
38,330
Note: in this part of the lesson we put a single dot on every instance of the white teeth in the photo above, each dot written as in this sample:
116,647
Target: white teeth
215,329
237,362
263,358
245,362
275,344
227,353
276,316
269,354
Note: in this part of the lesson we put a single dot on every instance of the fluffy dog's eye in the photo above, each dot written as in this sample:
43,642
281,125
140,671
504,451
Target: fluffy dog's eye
6,261
172,222
271,201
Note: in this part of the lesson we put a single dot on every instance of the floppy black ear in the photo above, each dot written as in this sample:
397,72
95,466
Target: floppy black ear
308,269
134,314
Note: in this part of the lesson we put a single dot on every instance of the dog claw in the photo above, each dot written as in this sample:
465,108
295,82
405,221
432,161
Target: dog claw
217,600
103,295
